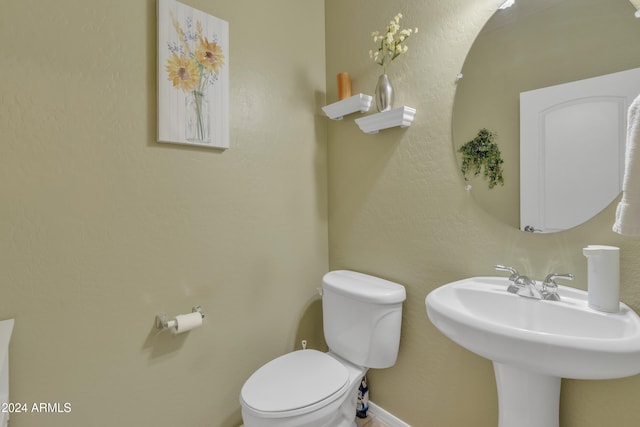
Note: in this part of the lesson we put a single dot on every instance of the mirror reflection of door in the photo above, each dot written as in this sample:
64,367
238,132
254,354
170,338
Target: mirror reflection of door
535,44
572,140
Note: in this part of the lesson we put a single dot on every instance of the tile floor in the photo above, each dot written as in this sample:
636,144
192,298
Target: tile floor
370,421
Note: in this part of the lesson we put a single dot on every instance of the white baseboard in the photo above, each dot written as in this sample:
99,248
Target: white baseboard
385,416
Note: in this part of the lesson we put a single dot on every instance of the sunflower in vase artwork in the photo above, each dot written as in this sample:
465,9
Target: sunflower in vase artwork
193,67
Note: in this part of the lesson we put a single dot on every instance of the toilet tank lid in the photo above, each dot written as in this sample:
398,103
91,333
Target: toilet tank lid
364,287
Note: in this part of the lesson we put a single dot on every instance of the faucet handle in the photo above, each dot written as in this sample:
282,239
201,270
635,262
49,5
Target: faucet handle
514,272
551,278
550,287
514,278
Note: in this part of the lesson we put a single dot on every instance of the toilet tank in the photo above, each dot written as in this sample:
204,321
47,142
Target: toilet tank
362,316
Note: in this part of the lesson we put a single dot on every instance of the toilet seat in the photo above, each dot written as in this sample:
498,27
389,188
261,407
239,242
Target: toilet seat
294,382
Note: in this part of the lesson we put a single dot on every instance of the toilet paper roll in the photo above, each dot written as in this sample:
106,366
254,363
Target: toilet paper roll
186,322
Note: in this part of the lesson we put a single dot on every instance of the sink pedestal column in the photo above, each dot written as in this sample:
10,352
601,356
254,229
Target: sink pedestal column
526,399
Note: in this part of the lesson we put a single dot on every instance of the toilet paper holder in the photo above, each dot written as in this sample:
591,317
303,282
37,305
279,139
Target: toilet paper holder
163,322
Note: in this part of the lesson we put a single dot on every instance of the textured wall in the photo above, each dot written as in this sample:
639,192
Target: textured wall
101,227
398,210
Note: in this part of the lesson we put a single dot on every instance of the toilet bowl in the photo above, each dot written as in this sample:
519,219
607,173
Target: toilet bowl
308,388
302,388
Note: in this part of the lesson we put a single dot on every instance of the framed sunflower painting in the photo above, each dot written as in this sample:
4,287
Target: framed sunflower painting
193,76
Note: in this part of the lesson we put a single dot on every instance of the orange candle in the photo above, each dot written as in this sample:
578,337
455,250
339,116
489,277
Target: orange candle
344,86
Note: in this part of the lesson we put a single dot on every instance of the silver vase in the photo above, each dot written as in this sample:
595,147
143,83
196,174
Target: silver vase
384,93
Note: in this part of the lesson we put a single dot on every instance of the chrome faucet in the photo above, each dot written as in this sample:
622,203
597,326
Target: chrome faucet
526,287
521,285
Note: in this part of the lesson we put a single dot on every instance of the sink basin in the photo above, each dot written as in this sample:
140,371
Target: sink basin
560,338
533,343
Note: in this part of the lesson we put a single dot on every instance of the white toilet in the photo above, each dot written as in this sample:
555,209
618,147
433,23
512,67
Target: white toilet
307,388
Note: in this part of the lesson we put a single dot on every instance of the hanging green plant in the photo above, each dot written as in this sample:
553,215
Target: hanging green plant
482,154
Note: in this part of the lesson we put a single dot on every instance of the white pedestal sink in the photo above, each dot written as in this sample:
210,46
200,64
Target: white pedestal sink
534,343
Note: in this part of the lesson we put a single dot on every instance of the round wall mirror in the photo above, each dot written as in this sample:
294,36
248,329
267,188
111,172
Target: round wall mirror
533,79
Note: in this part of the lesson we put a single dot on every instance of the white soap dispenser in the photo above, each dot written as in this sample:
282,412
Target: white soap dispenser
603,280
